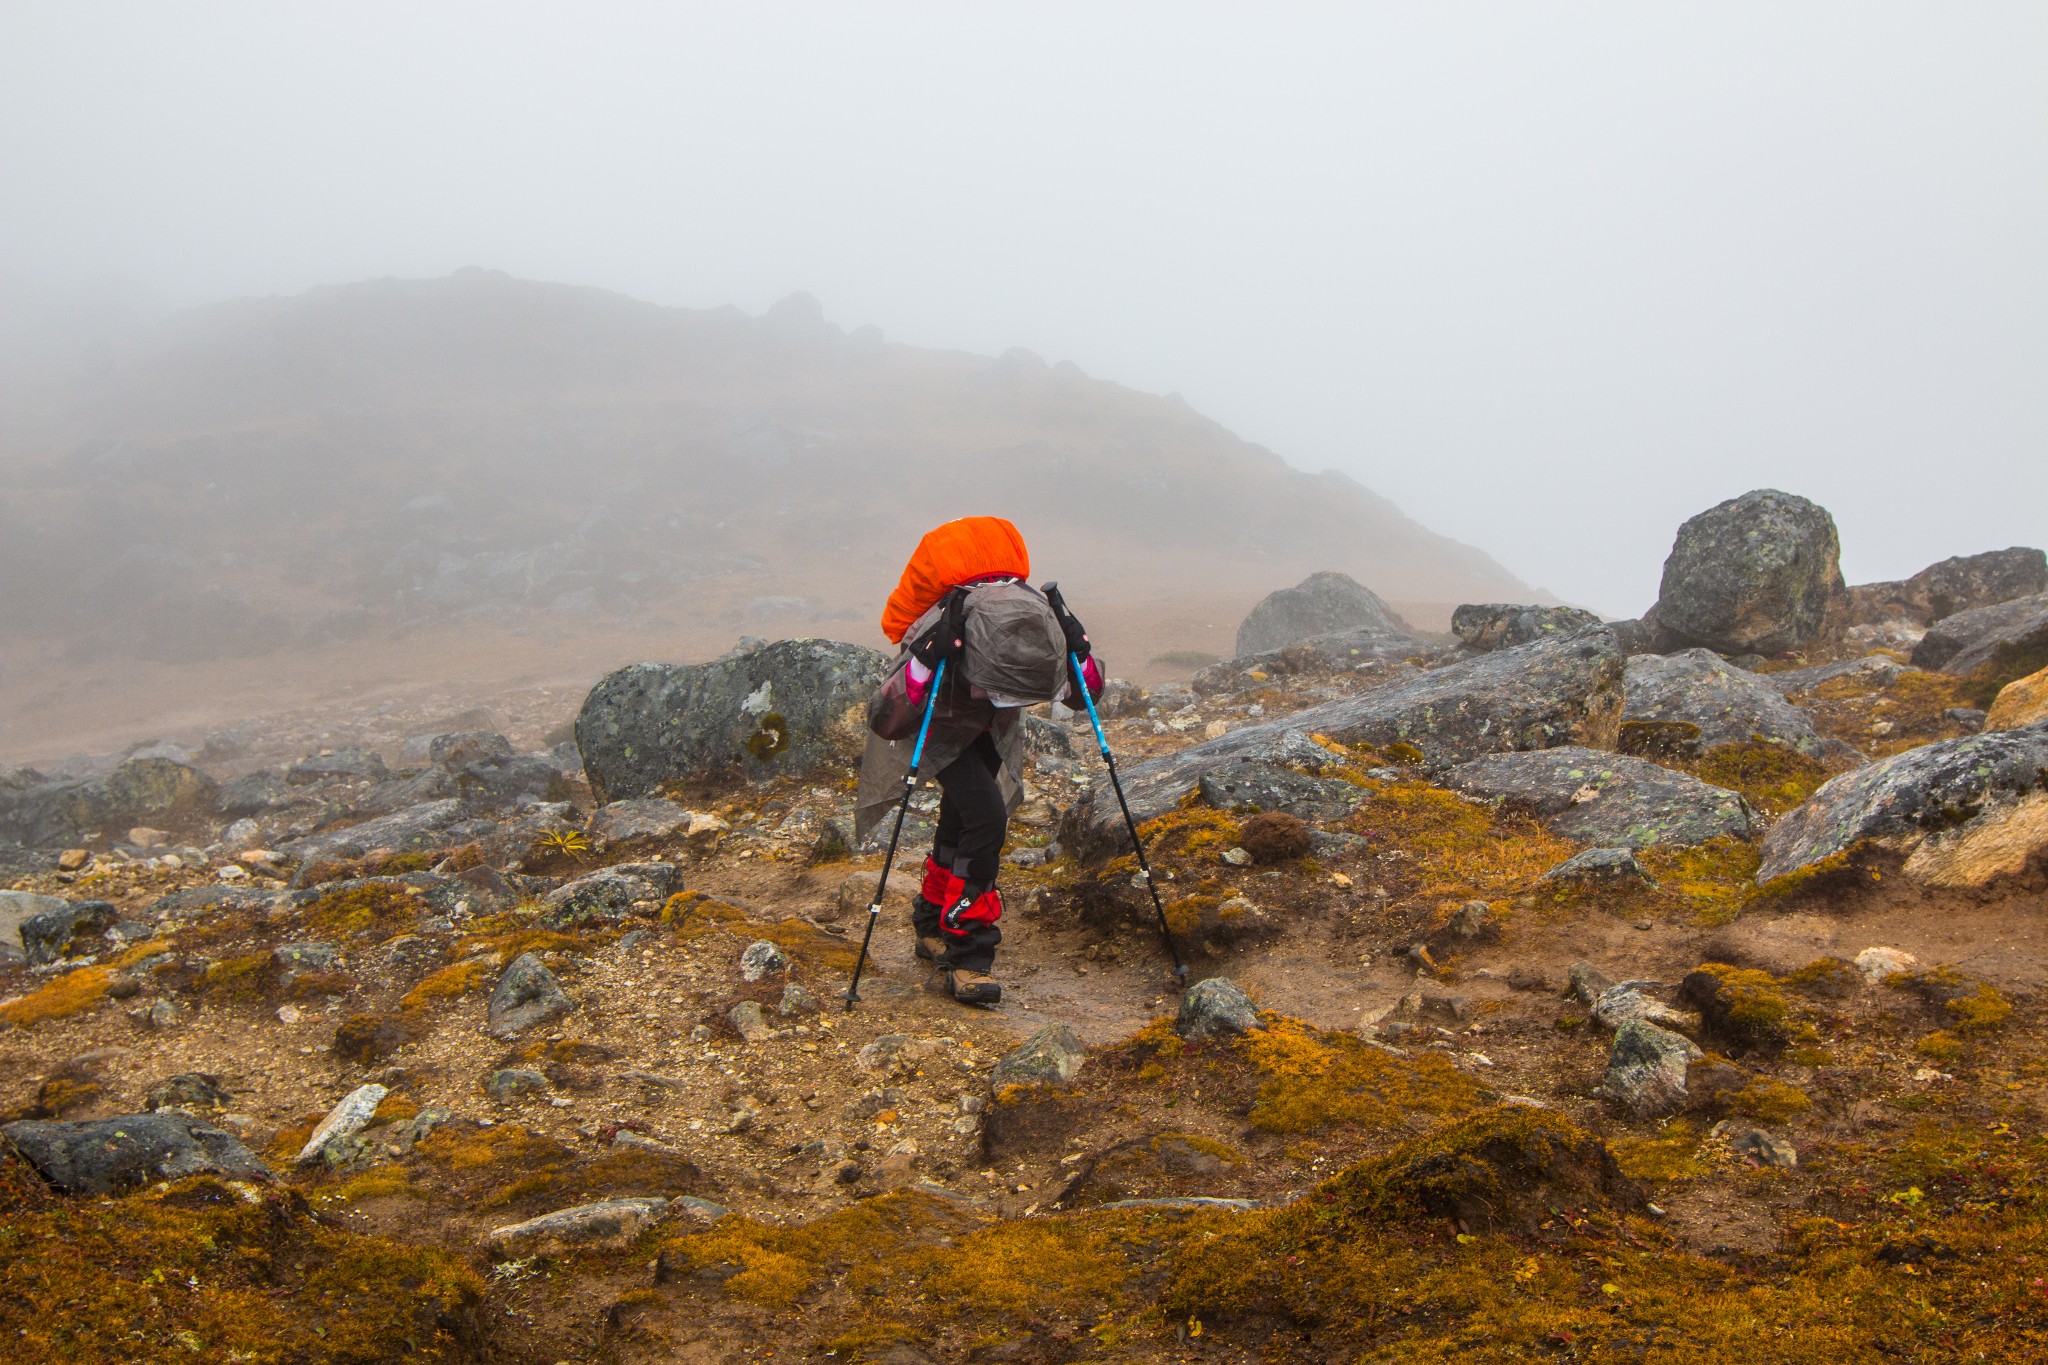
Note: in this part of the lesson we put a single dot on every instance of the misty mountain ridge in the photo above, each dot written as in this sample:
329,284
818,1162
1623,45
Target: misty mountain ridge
485,452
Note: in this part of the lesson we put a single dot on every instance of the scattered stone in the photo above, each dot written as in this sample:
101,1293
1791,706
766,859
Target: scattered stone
72,859
1758,574
750,1022
508,1084
1586,983
1557,691
1878,965
190,1090
1765,1149
1319,604
1483,628
1627,1000
1969,718
1722,704
17,908
431,824
1610,800
1965,811
106,1156
62,932
607,895
609,1223
1051,1056
343,765
1215,1008
467,746
762,711
1646,1070
796,1000
1600,866
163,1014
761,959
526,997
331,1141
649,817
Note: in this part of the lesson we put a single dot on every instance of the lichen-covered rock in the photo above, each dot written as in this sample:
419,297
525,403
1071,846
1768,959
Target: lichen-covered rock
607,895
1962,583
1564,690
1758,574
508,1084
1482,627
1253,787
647,817
1967,641
1215,1008
1051,1056
606,1223
1725,704
1965,811
1879,670
19,907
70,927
2020,703
157,792
1600,865
1363,653
761,712
750,1021
106,1156
527,996
1611,800
508,780
1319,604
762,959
332,1138
431,824
1646,1070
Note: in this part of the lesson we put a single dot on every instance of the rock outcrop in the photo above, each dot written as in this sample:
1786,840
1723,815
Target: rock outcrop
1608,800
1482,628
783,707
1959,584
158,792
2005,635
1758,574
106,1156
1318,605
1694,700
1564,690
1365,651
1965,811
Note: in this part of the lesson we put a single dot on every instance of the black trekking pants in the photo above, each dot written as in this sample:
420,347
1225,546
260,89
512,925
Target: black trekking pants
973,822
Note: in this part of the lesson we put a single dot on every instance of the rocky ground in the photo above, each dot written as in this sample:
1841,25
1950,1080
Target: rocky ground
1501,1051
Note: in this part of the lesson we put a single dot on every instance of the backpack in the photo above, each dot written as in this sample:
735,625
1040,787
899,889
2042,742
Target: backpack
1016,651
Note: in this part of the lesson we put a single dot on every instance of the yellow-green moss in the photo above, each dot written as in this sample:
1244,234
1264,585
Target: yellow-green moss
1315,1080
59,998
1672,1155
450,983
1770,1101
378,910
1772,777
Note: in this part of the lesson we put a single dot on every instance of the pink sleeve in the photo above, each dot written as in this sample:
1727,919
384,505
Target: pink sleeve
1091,674
918,678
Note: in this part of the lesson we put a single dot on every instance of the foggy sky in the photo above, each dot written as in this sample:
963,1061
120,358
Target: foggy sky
1551,276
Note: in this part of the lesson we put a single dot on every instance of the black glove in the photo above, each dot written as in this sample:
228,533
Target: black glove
1077,634
947,639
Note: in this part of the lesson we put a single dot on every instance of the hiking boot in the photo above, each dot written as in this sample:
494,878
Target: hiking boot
930,947
971,988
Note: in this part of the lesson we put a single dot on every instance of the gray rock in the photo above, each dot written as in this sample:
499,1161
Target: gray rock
607,895
511,780
1564,690
332,1141
59,933
307,956
1963,583
337,765
526,997
1599,865
1764,1148
750,1021
1046,740
188,1090
1051,1056
1319,604
467,746
1587,983
762,959
1988,636
1328,845
17,908
1482,628
1877,669
796,1000
1215,1008
106,1156
1962,808
1725,705
163,1013
253,794
1758,574
1363,653
1253,786
507,1084
431,824
1628,1000
156,792
765,711
1646,1070
1610,800
647,817
1966,717
399,793
607,1223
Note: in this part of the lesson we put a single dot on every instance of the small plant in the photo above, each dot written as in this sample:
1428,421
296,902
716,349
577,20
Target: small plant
564,843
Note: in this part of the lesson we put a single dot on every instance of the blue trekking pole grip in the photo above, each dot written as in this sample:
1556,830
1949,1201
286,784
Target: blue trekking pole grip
909,785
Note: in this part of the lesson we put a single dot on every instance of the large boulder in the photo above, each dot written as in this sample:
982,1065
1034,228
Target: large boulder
1564,690
1700,696
1608,800
1963,583
106,1156
158,792
1319,604
1758,574
1482,627
1964,811
2004,636
783,707
2020,703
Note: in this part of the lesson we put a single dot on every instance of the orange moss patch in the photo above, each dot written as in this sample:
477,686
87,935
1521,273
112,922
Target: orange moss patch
450,983
377,911
59,998
1771,777
1459,850
1316,1080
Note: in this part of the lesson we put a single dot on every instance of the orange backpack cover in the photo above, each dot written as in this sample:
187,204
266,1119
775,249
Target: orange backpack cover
958,552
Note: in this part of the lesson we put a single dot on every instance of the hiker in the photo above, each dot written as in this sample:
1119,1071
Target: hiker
964,600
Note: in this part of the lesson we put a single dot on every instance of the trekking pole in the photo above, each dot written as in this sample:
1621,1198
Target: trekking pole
1180,971
889,860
